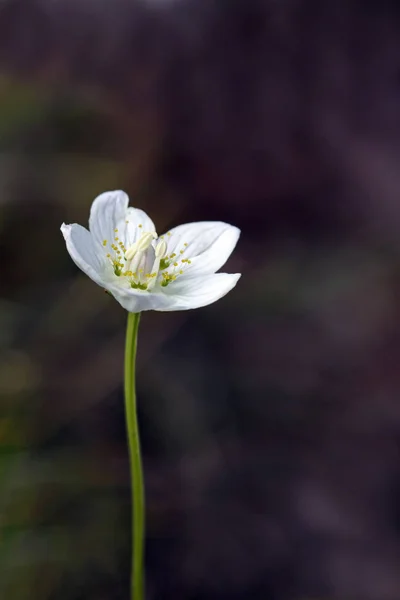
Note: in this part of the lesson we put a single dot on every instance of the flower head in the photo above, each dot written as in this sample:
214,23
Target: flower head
122,253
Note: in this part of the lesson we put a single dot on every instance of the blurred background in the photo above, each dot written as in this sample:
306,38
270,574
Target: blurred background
270,420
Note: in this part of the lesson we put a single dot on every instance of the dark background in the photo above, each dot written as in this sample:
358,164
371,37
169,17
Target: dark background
270,420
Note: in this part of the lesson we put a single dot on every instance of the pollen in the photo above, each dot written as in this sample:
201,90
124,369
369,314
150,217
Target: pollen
167,278
123,258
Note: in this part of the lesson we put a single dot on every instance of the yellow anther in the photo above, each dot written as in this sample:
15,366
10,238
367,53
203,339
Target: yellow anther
185,244
180,272
126,221
173,255
169,233
175,264
182,251
104,242
116,230
108,255
140,225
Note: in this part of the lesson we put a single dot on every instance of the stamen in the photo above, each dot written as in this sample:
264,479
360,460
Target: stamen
161,248
167,278
141,245
134,258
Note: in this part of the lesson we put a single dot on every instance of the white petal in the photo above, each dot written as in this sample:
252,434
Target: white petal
138,300
107,210
134,223
208,245
83,252
187,293
180,295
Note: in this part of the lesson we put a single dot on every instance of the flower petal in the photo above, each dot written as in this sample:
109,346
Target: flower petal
207,244
107,210
133,224
181,295
194,292
83,252
138,301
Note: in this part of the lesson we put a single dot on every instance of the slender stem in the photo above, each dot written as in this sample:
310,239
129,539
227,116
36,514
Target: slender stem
138,509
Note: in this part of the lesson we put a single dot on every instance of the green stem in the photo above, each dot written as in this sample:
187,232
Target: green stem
138,509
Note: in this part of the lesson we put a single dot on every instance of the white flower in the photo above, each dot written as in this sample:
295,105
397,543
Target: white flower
122,253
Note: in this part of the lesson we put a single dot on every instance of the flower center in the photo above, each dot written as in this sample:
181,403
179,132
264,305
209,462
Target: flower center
141,262
145,261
